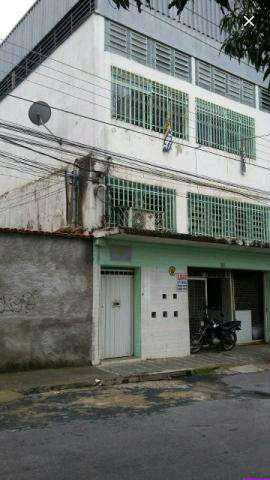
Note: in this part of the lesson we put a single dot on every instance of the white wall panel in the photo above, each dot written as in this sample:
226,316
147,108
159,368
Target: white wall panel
163,336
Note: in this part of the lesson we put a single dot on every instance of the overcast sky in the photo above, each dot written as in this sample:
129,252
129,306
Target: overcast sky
11,12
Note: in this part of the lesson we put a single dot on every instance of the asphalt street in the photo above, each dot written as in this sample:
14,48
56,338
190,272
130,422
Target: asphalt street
208,428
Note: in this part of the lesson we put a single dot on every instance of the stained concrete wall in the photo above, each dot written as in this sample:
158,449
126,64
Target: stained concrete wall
45,300
37,205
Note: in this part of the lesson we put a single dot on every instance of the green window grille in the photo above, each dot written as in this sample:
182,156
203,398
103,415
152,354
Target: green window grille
145,50
222,218
140,206
225,129
148,104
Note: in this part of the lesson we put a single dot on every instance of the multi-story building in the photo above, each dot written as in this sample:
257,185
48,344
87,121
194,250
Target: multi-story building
175,229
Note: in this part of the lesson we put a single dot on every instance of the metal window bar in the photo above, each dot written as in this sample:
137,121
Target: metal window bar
221,218
223,129
123,195
148,104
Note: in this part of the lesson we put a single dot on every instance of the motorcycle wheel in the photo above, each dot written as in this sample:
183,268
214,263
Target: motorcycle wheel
229,341
195,343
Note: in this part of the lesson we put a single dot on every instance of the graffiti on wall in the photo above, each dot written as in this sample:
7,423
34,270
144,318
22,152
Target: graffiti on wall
23,303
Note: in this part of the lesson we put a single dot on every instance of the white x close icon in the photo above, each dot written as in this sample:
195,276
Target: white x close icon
248,21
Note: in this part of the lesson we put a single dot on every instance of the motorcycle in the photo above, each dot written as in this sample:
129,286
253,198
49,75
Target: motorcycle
215,332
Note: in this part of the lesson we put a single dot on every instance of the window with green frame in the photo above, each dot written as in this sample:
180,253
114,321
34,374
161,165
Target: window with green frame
224,129
148,104
126,200
222,218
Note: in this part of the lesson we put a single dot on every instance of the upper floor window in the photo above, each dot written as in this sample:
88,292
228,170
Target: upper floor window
138,47
219,81
265,99
140,206
223,218
225,129
148,104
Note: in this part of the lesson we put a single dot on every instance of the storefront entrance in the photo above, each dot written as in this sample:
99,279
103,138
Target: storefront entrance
249,303
210,292
227,294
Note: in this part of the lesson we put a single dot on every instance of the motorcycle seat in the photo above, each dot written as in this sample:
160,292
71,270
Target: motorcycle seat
233,324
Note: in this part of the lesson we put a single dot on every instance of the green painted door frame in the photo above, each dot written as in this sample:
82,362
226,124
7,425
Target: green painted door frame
137,307
137,312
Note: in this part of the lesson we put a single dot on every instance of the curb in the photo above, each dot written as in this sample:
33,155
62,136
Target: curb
120,380
103,379
168,375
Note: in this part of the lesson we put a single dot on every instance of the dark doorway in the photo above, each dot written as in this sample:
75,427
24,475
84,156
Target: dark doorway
197,298
214,288
248,295
209,290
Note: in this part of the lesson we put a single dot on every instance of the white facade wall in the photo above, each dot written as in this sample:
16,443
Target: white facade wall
169,336
85,64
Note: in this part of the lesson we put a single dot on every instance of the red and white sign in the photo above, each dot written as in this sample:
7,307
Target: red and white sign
181,276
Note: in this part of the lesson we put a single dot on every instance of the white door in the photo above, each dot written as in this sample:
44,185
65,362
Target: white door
117,313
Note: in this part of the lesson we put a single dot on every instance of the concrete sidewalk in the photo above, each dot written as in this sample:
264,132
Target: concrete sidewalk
132,370
136,370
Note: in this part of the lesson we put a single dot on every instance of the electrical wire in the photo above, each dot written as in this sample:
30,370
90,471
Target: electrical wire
108,98
196,148
189,34
142,133
102,106
37,198
189,177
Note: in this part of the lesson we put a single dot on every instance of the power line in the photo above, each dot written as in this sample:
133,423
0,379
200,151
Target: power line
41,65
24,164
43,197
66,93
107,98
102,78
138,132
61,62
189,177
85,71
154,137
190,35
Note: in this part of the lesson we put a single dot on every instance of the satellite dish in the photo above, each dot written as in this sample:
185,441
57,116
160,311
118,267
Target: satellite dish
40,113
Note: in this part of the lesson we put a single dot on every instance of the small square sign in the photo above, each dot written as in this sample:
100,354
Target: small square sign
181,281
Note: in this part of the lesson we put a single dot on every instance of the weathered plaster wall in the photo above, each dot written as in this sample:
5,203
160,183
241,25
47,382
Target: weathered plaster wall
45,300
37,205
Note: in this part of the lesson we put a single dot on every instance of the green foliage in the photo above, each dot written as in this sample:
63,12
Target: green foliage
180,5
250,43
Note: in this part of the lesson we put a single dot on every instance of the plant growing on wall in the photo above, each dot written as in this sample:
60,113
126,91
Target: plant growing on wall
250,42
